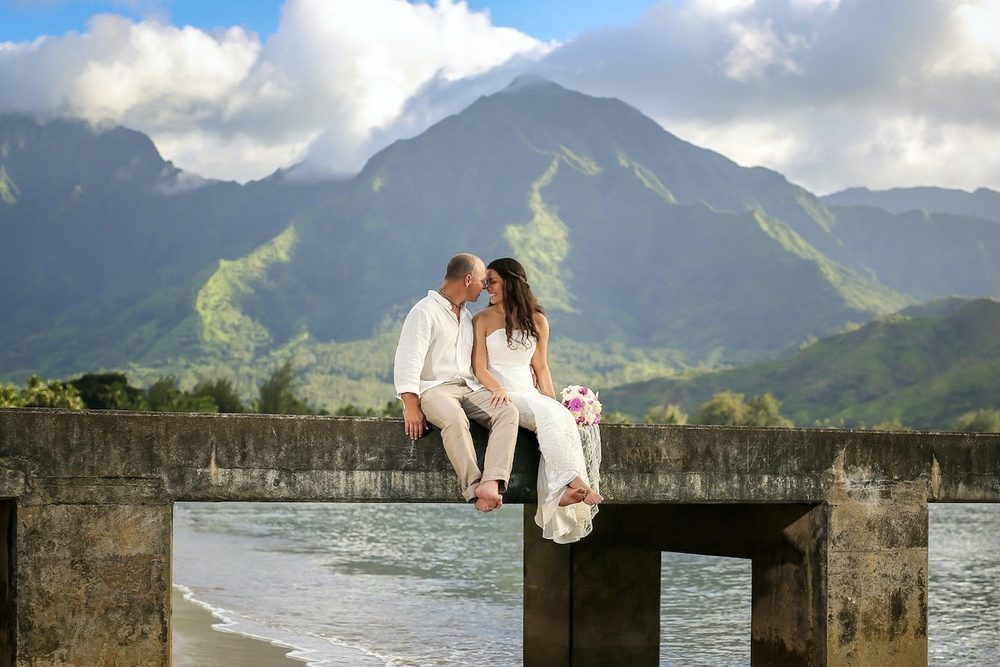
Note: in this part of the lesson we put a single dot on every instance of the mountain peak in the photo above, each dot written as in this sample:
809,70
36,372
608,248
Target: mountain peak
531,82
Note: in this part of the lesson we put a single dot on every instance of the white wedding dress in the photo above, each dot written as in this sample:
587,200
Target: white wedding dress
562,458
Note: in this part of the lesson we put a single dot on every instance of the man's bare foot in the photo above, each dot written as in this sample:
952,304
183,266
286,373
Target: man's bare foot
484,506
488,496
572,496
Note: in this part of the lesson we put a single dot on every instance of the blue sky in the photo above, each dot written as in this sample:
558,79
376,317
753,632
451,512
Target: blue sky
830,93
22,20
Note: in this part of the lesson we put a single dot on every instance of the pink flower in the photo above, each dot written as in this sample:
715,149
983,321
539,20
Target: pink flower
583,391
576,404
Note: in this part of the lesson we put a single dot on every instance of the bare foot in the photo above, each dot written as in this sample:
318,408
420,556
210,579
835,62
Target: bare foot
484,506
572,496
488,496
590,496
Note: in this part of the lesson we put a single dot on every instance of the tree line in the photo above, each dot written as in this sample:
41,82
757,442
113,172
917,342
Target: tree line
112,391
276,395
727,408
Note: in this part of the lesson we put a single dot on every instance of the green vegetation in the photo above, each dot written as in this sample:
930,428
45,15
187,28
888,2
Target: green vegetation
224,324
392,409
671,413
109,391
8,189
983,421
658,262
276,395
645,250
725,408
40,394
921,371
542,245
112,391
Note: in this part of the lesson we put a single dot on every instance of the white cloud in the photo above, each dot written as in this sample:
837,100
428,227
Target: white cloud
225,105
350,69
119,68
757,49
830,93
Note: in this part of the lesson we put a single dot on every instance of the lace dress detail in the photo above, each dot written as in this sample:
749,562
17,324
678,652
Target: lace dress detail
562,458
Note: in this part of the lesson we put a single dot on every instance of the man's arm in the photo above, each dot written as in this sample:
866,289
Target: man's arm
411,353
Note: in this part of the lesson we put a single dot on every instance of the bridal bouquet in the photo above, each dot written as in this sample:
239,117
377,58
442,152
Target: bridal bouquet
585,407
583,403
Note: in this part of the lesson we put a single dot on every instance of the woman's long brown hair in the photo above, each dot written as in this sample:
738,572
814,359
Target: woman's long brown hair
519,301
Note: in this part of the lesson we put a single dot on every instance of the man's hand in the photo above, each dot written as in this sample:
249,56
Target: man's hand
414,422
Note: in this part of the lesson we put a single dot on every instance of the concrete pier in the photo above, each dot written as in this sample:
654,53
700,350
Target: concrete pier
833,521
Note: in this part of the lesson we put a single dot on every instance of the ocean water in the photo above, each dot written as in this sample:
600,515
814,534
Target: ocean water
397,585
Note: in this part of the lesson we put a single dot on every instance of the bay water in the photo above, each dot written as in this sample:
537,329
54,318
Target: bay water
415,585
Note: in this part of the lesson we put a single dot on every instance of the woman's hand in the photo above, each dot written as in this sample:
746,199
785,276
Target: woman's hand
499,397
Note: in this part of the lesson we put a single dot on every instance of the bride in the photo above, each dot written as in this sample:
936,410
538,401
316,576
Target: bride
508,356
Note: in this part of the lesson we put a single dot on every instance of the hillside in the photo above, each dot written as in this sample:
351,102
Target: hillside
106,244
925,255
652,255
610,214
925,366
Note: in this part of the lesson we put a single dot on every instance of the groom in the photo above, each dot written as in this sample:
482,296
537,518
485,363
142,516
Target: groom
433,377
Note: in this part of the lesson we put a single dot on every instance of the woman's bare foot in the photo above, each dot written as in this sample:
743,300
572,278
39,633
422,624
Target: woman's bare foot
488,496
589,496
572,496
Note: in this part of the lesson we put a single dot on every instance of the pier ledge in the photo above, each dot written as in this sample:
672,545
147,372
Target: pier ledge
833,521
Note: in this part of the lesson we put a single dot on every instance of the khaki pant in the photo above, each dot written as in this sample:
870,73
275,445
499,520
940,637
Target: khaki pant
449,407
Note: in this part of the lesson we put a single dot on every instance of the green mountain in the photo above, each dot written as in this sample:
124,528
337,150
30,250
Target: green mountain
925,255
983,203
105,243
623,237
926,366
651,255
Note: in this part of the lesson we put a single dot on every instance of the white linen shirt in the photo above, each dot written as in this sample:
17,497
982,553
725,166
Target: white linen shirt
434,347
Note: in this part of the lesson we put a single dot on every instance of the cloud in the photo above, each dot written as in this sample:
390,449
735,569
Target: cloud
225,105
831,93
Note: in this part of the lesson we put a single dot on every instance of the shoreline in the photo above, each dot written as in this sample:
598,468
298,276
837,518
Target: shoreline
195,643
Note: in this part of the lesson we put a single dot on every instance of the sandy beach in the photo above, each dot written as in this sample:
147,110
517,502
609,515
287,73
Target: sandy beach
197,644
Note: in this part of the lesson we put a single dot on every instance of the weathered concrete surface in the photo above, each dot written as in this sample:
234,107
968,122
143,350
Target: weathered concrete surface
593,603
93,584
8,627
835,523
101,456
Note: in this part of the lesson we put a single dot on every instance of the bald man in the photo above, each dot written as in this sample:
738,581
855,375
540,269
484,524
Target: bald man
433,377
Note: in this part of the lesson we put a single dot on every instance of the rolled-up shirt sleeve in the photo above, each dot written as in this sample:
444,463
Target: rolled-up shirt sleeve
411,353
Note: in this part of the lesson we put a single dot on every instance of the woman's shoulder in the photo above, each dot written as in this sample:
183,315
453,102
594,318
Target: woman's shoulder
487,316
540,320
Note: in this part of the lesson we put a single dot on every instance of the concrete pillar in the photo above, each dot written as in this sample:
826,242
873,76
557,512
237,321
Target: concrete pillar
788,618
845,583
8,612
596,602
93,584
876,583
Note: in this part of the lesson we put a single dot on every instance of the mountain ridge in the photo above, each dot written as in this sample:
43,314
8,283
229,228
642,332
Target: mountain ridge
981,203
648,250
